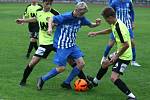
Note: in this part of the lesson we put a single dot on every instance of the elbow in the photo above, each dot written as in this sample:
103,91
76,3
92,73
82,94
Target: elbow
126,46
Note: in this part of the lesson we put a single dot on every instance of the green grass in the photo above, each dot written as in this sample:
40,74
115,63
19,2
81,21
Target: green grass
14,43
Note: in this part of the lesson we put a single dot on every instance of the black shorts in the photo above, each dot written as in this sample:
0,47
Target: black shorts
33,30
34,35
120,65
44,50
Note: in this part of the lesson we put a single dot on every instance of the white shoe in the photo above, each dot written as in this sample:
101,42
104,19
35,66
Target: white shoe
134,63
103,59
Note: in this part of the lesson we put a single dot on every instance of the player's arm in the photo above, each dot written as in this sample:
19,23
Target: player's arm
20,21
50,26
125,46
105,31
97,23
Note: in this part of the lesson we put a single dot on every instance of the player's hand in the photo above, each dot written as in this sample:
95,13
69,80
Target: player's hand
49,31
92,34
114,58
98,21
20,21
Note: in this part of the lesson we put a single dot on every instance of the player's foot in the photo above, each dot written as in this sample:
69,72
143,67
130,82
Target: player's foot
103,59
22,83
91,80
40,83
134,63
130,98
27,55
65,85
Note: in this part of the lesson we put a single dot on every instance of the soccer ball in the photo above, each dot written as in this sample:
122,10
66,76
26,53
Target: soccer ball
80,85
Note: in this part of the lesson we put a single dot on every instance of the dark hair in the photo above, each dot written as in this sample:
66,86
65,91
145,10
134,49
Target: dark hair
47,0
107,12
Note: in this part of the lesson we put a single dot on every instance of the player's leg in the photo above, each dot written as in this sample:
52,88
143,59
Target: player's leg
42,52
32,44
108,47
102,71
77,54
118,70
133,63
60,60
28,69
72,63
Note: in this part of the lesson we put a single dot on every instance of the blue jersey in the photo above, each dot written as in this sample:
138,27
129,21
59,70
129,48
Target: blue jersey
124,11
67,27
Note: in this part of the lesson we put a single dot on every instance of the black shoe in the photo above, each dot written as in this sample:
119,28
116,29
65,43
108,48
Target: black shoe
27,55
65,85
22,83
40,83
130,98
90,79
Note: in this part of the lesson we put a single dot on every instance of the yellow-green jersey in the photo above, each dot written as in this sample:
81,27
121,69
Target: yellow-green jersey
31,10
122,35
42,18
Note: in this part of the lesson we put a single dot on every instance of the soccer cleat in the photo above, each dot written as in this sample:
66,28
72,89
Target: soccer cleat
40,83
22,83
90,79
130,98
134,63
65,85
103,59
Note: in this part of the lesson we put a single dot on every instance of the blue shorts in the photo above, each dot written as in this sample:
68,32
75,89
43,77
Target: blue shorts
130,31
62,55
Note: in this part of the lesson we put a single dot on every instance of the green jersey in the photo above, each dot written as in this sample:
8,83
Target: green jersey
31,10
122,35
42,18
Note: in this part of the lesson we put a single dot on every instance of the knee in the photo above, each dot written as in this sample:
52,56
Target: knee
60,69
113,79
81,65
105,64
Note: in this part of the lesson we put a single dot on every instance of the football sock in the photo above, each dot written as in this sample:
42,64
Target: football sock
53,72
95,80
108,48
26,73
122,86
101,73
30,47
131,95
133,54
35,45
75,71
81,75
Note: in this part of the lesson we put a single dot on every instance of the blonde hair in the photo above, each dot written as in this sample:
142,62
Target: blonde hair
82,6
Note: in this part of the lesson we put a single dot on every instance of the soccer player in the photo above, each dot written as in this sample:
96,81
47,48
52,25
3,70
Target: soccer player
68,24
123,55
125,12
33,27
45,40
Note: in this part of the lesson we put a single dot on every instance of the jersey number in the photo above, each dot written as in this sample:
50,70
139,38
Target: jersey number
32,14
44,26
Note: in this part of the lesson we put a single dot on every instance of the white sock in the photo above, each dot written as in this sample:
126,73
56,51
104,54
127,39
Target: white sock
95,80
131,95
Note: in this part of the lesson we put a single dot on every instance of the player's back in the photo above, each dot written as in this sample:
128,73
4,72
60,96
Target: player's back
123,8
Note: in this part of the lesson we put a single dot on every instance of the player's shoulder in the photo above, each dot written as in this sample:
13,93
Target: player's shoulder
40,5
54,11
28,5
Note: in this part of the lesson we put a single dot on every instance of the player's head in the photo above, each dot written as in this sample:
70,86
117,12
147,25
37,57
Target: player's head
47,4
33,1
109,15
80,9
